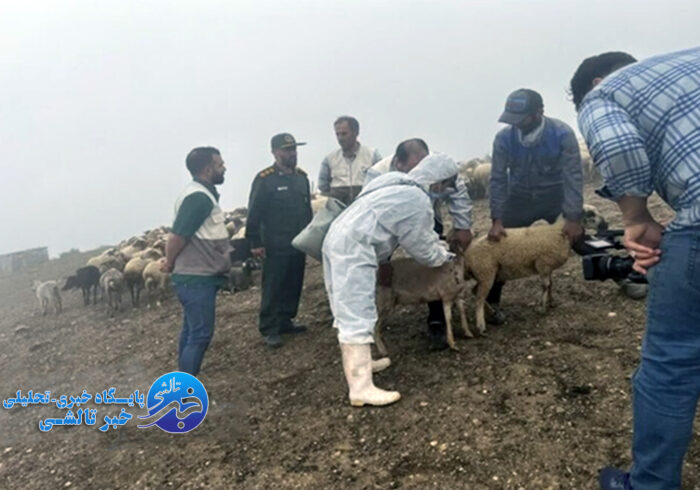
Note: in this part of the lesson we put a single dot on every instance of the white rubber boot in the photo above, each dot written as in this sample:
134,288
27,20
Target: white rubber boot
357,364
380,364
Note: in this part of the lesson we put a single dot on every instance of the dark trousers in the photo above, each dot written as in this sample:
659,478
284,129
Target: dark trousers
522,210
282,280
198,317
435,312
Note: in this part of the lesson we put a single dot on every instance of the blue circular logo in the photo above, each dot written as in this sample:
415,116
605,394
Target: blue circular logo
177,402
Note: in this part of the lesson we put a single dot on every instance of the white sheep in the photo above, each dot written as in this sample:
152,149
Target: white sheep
106,261
414,283
522,253
479,178
135,245
133,276
47,293
112,284
156,281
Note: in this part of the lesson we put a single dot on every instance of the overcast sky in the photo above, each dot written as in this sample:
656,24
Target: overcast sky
102,100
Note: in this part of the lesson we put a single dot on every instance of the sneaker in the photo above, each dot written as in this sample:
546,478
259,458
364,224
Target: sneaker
494,315
611,478
274,341
292,329
438,339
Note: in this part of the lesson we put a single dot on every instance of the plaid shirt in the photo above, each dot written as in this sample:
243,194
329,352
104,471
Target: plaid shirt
642,126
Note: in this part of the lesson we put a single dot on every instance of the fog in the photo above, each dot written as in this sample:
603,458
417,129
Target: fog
101,101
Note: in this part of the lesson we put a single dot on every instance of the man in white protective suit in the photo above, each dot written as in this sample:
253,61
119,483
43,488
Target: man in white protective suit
393,210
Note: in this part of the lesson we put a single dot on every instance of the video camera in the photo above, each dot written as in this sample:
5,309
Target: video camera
599,264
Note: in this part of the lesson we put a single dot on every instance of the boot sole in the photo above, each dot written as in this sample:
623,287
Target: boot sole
360,403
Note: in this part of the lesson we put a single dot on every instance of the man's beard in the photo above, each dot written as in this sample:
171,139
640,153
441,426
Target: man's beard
218,179
289,163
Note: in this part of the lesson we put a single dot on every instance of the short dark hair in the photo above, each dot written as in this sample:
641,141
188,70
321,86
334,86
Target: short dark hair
405,148
199,158
596,67
352,123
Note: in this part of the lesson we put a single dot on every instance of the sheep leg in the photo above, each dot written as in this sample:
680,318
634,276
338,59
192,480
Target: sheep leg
546,293
44,306
447,309
59,304
463,319
482,291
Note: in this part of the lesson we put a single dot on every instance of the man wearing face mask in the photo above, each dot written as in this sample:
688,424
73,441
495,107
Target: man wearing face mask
408,155
392,210
278,209
535,174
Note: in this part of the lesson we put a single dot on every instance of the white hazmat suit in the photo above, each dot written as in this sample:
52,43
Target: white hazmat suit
393,210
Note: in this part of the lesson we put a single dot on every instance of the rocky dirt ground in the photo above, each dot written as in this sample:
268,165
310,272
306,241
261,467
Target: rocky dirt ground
541,402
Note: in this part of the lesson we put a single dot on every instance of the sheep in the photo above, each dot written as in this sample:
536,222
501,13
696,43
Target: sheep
522,253
150,254
85,278
132,249
106,261
133,276
240,277
112,283
239,234
155,280
240,250
415,283
478,183
47,294
590,173
318,203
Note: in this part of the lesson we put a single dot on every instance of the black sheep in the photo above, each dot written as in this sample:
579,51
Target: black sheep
85,278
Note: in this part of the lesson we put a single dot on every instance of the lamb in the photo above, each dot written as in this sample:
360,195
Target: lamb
415,283
85,278
112,283
133,276
522,253
155,281
47,294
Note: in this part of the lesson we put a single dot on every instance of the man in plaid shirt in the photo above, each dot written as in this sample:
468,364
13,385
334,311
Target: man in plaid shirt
641,122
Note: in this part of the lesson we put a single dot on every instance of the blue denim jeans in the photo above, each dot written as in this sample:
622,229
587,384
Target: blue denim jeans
666,385
199,313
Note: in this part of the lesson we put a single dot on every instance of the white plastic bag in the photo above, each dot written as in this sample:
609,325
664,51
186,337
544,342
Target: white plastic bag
310,239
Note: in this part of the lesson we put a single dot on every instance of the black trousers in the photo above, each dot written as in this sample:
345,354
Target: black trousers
435,312
523,210
282,281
